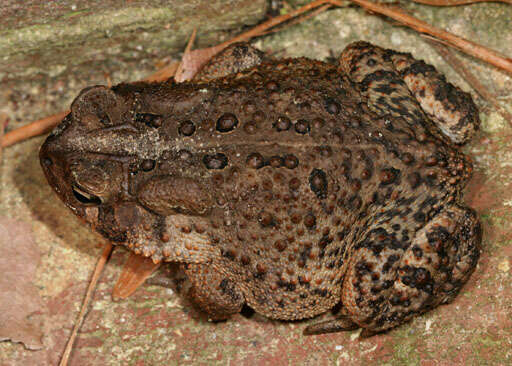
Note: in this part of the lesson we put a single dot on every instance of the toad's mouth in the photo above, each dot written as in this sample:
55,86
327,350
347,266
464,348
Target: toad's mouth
85,198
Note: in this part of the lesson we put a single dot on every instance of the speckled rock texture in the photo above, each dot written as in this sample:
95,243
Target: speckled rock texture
159,326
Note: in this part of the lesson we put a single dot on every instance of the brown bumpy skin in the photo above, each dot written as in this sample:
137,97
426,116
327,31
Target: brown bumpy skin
288,185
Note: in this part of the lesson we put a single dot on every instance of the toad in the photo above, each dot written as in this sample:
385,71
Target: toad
293,186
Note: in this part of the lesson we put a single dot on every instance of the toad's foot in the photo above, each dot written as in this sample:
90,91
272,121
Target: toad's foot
397,83
379,295
431,271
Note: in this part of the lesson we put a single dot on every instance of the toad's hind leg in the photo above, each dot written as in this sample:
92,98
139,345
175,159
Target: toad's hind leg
235,58
439,260
213,291
398,84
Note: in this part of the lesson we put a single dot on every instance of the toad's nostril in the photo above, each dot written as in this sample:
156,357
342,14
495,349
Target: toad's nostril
47,162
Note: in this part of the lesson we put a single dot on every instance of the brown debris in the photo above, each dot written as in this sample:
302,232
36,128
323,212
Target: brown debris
458,2
135,271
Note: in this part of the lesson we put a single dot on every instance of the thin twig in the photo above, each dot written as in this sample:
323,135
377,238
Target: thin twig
36,128
458,2
483,53
88,296
3,123
259,29
164,73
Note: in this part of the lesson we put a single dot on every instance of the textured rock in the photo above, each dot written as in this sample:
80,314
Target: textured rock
158,326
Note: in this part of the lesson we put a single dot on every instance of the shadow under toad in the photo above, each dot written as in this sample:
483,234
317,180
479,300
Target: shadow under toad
46,207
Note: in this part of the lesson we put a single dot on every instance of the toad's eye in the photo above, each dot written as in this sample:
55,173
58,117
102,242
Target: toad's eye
86,198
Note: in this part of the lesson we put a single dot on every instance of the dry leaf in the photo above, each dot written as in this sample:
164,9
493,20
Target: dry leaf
20,302
135,272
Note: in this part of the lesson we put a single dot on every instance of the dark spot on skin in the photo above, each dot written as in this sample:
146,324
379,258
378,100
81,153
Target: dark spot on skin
147,165
388,176
379,75
215,161
294,183
265,219
318,123
151,120
187,128
414,179
245,260
371,62
227,122
431,178
272,85
324,241
310,221
230,254
331,106
419,217
255,161
250,128
258,116
366,174
291,161
419,278
417,251
223,284
431,161
261,270
280,245
318,183
355,184
227,288
355,202
302,126
320,292
418,67
407,158
389,263
282,124
286,285
184,155
276,161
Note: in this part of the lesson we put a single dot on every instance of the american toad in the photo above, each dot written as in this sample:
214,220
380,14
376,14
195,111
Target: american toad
288,185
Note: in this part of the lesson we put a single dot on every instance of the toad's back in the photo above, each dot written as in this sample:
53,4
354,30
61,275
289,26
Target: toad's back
274,184
299,167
